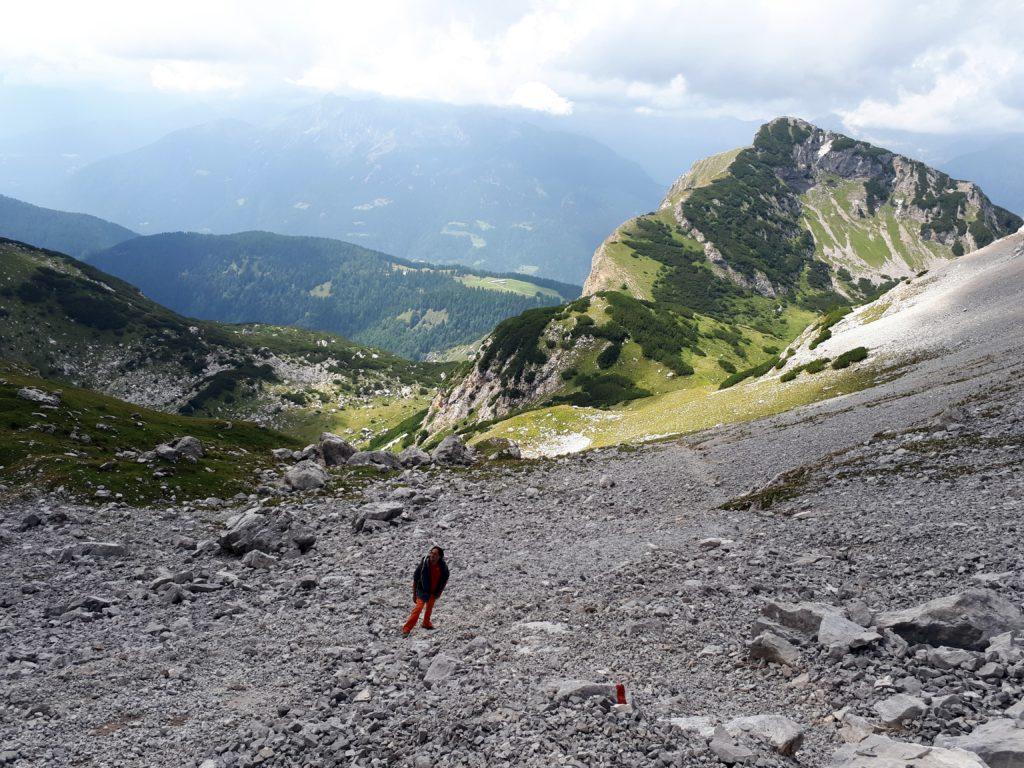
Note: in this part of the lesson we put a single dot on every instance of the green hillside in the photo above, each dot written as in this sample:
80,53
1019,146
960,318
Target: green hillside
83,444
78,325
75,233
748,249
408,308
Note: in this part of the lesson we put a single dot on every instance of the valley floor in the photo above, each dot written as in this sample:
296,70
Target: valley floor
594,567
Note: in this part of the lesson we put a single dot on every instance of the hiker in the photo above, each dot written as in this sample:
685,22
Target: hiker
427,585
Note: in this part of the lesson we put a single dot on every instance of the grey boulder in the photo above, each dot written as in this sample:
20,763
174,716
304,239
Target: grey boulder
999,743
91,549
305,476
413,456
441,668
334,450
776,731
268,533
772,648
968,619
381,459
882,752
899,708
39,396
452,450
583,689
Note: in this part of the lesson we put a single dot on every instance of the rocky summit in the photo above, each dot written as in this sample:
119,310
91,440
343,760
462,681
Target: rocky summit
840,585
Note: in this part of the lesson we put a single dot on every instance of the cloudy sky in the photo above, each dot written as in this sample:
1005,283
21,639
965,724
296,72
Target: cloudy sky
932,67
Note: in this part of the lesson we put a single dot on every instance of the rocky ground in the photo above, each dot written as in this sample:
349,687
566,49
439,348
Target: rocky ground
175,645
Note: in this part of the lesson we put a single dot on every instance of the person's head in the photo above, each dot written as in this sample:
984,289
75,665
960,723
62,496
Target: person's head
435,555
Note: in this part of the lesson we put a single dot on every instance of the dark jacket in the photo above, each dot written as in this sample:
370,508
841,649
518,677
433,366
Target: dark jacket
421,586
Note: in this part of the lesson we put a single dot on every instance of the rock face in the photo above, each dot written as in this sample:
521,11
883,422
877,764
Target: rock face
965,620
305,475
1000,743
881,752
334,450
267,533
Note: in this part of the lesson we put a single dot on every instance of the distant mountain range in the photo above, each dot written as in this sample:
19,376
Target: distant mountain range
430,182
999,168
409,308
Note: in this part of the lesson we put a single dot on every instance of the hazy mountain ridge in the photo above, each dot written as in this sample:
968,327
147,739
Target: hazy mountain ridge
77,234
439,184
409,308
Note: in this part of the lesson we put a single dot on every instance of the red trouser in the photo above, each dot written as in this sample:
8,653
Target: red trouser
416,613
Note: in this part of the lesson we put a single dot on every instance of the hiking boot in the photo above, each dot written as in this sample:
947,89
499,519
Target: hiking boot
428,626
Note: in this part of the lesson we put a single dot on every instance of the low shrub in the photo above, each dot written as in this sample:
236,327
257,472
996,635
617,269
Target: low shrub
855,355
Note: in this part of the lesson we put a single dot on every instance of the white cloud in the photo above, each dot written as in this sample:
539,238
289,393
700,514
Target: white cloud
540,97
936,66
951,90
191,77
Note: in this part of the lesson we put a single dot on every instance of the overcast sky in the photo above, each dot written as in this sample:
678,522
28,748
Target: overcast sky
931,67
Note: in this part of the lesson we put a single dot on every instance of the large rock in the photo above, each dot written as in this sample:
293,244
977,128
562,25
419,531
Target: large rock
584,689
452,450
383,511
965,620
838,632
771,647
777,731
91,549
189,447
803,617
827,623
268,533
725,748
1000,743
305,475
381,459
334,450
38,396
897,709
413,456
441,668
882,752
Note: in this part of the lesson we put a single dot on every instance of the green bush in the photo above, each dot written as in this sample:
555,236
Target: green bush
757,370
602,391
609,355
726,366
824,335
854,355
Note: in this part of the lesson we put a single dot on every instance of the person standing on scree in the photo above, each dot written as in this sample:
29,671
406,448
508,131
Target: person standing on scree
427,585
